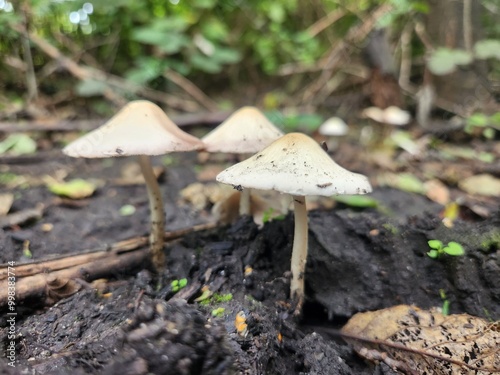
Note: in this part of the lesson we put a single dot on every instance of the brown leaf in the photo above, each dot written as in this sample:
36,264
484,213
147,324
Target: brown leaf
420,341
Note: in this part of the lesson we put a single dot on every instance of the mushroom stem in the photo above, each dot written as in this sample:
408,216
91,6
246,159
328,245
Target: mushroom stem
299,251
157,213
245,202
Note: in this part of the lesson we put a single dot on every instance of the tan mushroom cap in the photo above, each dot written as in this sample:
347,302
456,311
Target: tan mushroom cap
391,115
139,128
297,165
245,131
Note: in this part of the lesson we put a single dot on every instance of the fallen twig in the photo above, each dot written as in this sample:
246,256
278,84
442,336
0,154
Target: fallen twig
86,256
53,278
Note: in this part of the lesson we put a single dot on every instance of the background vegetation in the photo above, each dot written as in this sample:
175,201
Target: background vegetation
126,47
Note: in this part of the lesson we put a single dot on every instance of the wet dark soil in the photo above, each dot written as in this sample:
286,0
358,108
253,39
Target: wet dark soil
359,260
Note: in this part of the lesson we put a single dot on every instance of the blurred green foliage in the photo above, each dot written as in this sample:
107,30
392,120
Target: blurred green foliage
209,41
140,39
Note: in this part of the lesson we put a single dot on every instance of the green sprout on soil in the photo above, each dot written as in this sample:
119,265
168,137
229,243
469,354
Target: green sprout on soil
445,310
216,298
219,312
391,228
268,216
438,249
177,285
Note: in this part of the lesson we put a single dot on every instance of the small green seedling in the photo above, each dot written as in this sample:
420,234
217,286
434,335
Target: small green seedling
177,285
445,310
219,312
269,215
438,249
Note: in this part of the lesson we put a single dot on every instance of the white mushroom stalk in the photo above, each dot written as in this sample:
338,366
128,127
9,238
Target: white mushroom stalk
246,131
295,164
140,128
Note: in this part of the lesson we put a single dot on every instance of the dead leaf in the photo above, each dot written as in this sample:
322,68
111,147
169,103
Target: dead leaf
6,201
131,174
402,181
419,341
74,189
436,191
481,184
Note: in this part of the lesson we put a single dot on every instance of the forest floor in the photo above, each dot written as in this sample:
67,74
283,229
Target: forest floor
360,259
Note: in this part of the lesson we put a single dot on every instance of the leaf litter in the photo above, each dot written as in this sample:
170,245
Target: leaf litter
417,341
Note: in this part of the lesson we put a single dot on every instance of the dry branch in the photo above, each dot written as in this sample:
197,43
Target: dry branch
341,49
50,278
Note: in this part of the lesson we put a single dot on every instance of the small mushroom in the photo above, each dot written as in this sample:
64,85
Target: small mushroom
295,164
388,118
140,128
246,131
391,115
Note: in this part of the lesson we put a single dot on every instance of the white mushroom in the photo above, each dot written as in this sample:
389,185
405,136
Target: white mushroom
140,128
295,164
246,131
333,127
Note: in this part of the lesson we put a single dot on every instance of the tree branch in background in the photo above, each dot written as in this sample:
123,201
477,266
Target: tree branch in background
314,92
191,89
31,83
325,22
87,73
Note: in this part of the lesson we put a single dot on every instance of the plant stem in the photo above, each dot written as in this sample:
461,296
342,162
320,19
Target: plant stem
299,251
157,214
245,202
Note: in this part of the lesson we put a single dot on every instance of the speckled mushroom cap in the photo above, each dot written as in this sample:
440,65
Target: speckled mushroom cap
246,131
139,128
297,165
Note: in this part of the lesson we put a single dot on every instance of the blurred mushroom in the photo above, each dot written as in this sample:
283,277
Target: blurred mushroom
140,128
333,127
389,117
295,164
246,131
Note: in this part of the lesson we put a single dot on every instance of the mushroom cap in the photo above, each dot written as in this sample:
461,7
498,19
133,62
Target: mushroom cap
391,115
246,131
334,126
139,128
297,165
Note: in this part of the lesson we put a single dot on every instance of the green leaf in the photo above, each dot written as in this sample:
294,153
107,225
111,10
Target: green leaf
444,61
226,55
478,119
433,254
435,244
360,201
488,48
90,87
74,189
454,249
18,144
127,210
182,283
205,64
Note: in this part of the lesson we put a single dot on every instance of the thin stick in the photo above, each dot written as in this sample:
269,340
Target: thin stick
191,89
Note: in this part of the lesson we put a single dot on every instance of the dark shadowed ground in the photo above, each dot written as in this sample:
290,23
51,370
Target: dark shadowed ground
359,260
